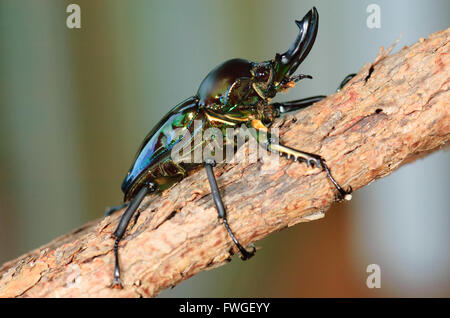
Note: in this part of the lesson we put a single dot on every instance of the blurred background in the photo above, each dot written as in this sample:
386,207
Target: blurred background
75,105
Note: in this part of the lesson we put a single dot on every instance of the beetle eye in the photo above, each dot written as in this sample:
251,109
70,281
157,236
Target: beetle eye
262,73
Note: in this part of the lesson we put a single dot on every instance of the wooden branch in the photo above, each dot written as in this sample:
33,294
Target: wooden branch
395,110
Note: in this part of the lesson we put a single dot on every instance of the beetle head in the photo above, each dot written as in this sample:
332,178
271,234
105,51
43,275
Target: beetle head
287,63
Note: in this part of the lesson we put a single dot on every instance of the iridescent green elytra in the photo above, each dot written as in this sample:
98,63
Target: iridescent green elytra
234,93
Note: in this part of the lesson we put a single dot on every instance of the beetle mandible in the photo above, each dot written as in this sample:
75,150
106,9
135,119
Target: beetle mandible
235,92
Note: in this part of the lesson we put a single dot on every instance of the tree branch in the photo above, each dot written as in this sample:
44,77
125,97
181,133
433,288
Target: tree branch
395,110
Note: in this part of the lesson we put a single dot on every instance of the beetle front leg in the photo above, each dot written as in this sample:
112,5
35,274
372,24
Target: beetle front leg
209,164
298,104
312,160
297,155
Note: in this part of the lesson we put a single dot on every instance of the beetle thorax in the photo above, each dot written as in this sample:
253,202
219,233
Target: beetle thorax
237,83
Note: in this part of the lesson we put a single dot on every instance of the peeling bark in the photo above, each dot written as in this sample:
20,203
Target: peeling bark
395,110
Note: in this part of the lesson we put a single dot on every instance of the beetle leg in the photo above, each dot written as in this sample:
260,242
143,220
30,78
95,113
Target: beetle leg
309,158
345,81
209,164
312,160
122,226
305,102
296,104
112,209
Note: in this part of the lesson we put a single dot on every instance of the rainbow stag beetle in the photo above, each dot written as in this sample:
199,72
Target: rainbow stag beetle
234,93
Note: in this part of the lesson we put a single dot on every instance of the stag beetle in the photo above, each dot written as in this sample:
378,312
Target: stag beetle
235,92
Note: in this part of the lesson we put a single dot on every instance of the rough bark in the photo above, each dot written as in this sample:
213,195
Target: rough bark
394,111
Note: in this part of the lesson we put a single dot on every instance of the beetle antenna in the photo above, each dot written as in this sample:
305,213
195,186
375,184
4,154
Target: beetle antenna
299,77
296,78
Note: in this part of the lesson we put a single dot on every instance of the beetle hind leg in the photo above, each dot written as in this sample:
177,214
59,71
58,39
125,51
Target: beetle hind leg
209,164
122,226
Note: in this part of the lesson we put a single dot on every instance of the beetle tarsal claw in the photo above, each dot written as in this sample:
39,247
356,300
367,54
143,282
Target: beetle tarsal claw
245,255
116,283
345,194
348,194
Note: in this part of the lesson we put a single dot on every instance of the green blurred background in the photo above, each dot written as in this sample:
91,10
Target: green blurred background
75,105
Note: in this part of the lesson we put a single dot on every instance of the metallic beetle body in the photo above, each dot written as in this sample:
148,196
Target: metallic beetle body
228,94
236,91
